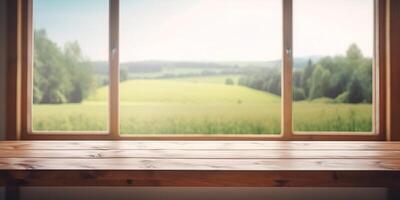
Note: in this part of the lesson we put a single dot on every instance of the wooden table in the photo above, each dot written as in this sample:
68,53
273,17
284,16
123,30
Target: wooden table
198,164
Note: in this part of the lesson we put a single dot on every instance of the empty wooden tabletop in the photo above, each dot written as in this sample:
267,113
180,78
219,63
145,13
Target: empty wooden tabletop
202,163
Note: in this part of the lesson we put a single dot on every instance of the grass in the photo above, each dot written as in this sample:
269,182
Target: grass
185,91
199,105
314,116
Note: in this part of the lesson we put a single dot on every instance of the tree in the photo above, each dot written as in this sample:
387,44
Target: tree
364,74
306,82
337,83
355,91
50,77
59,75
354,53
319,82
80,71
275,83
297,78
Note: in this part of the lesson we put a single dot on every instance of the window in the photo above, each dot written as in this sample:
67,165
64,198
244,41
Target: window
69,38
333,71
183,68
186,71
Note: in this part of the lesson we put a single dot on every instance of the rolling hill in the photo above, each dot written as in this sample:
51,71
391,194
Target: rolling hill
186,90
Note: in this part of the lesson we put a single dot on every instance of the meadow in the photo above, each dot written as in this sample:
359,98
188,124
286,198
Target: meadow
199,105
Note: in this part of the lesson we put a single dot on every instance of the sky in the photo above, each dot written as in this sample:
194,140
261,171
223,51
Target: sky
208,30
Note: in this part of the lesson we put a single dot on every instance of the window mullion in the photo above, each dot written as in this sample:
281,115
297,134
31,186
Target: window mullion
287,130
114,69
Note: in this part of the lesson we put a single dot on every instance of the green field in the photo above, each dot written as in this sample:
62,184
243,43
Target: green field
199,105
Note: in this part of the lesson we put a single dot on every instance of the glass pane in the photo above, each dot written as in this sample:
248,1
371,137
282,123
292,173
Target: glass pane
333,65
70,65
200,66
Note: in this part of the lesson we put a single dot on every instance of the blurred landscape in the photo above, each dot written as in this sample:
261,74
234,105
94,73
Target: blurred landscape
70,93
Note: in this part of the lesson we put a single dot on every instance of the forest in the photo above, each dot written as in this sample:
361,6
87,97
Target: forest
346,79
64,75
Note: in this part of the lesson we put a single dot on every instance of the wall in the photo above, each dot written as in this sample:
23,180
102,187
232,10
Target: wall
3,62
168,193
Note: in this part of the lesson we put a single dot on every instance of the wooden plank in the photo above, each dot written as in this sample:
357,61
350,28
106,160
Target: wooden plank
202,154
141,145
195,164
201,164
206,178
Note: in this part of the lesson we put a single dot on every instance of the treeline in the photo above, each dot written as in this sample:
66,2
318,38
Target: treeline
346,79
60,75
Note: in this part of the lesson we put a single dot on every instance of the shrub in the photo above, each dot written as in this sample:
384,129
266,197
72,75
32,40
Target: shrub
298,94
229,81
342,98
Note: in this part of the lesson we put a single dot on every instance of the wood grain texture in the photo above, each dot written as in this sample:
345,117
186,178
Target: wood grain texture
202,154
200,164
177,163
198,145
